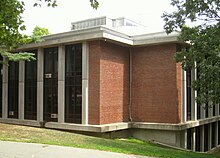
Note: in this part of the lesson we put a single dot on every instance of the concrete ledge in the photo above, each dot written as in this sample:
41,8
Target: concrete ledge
175,127
21,122
158,126
75,127
112,127
89,128
115,127
209,120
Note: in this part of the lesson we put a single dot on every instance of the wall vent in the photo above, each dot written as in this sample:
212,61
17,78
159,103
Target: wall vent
11,113
54,115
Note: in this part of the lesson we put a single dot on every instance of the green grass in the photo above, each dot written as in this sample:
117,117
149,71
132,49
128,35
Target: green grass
217,152
127,146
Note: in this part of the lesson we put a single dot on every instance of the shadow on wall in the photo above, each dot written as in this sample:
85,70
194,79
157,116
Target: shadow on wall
114,83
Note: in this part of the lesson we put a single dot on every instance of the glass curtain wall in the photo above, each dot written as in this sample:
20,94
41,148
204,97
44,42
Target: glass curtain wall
51,84
30,105
13,78
198,142
73,84
188,91
189,139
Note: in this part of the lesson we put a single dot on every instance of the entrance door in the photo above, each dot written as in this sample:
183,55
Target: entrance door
51,84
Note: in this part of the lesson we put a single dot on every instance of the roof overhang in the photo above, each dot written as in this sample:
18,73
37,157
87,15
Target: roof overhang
101,32
156,38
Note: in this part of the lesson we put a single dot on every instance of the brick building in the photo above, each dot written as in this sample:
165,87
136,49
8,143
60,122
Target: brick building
105,78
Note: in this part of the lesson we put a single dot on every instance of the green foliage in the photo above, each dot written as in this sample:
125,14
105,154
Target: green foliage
205,11
18,56
37,34
11,24
203,49
50,3
53,3
39,31
94,4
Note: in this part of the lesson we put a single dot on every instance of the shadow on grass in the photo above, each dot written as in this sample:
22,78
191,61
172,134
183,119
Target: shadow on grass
141,148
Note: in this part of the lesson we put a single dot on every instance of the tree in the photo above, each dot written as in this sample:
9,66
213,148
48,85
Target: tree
11,25
199,23
37,33
40,31
94,4
53,3
36,36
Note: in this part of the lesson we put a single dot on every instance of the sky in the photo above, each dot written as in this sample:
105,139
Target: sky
146,12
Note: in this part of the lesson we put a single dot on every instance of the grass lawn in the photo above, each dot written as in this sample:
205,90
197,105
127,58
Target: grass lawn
217,152
127,146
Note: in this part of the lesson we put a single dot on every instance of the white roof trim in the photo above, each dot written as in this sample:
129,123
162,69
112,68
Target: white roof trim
154,38
101,32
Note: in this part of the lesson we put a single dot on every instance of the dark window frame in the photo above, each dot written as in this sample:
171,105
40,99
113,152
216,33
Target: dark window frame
50,110
189,94
73,83
13,85
30,94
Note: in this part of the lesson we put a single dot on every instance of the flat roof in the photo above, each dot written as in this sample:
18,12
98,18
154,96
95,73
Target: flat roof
102,32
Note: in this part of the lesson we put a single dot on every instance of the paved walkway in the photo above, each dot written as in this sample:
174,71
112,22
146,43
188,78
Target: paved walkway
30,150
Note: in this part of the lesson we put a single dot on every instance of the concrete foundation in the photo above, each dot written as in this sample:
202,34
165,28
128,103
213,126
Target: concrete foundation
170,136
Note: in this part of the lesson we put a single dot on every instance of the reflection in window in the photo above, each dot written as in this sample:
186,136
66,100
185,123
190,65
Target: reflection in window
189,138
51,84
30,107
73,84
13,77
188,93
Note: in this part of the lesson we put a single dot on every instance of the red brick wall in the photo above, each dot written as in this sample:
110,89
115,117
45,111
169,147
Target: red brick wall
179,90
156,84
94,82
108,83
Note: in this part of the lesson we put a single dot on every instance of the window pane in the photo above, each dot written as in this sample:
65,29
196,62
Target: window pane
30,107
73,84
13,72
50,84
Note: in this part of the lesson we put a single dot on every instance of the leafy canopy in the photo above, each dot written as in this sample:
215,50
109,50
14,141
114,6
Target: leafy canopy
37,33
11,25
199,23
53,3
40,31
